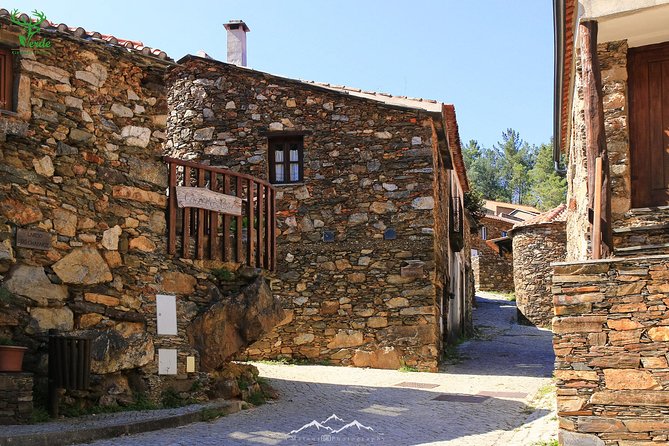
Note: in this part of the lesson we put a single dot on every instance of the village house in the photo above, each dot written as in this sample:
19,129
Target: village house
492,256
84,232
348,203
611,296
372,266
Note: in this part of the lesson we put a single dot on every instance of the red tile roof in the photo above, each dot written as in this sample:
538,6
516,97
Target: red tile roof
453,135
81,33
570,18
557,214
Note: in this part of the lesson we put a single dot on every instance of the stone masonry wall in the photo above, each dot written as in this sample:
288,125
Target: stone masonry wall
81,161
611,338
534,248
613,64
362,299
492,272
16,397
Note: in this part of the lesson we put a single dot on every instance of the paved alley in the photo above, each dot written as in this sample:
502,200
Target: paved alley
493,391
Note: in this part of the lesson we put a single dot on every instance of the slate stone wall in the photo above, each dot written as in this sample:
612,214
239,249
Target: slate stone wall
492,271
81,162
534,248
16,397
368,168
613,65
610,340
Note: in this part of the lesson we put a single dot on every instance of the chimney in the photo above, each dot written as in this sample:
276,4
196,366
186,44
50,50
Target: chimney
237,30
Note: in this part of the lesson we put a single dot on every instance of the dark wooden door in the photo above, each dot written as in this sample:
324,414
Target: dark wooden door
648,69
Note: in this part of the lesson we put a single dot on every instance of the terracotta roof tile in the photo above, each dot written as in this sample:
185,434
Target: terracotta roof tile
570,19
453,135
81,33
557,214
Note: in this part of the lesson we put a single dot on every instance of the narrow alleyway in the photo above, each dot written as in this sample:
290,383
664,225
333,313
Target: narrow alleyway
493,391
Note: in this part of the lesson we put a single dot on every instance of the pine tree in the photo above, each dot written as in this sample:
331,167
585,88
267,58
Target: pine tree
549,189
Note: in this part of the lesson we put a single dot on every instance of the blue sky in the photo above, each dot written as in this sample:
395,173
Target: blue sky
493,59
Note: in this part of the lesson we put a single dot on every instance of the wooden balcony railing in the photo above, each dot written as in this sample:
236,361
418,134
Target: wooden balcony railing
246,235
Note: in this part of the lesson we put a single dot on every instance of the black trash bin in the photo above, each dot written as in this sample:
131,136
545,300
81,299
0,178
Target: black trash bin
69,365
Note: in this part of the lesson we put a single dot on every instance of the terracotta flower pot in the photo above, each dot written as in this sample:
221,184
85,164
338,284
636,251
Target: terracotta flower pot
11,358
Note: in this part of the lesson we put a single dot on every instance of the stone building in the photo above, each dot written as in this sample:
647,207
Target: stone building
372,263
83,217
537,242
492,256
611,313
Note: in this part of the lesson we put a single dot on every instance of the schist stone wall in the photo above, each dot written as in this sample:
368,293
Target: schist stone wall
367,297
613,64
81,163
16,397
611,336
492,271
534,248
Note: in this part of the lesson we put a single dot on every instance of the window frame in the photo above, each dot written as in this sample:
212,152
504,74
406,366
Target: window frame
7,84
286,141
484,233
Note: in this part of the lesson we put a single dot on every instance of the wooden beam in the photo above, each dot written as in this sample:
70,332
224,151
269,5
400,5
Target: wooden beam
595,135
597,220
172,237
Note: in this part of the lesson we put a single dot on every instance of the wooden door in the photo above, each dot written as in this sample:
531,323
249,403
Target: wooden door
648,69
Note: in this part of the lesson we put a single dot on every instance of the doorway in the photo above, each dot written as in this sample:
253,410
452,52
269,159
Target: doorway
648,69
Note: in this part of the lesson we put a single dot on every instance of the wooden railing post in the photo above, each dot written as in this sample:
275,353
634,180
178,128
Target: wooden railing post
227,235
259,235
239,256
172,236
250,234
597,221
201,218
187,215
214,248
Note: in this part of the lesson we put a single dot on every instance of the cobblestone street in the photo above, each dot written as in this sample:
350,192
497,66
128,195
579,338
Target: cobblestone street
494,391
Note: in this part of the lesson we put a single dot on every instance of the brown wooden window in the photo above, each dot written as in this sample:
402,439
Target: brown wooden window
286,159
6,79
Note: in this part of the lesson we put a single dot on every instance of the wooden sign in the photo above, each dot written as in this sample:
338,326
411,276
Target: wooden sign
201,198
28,238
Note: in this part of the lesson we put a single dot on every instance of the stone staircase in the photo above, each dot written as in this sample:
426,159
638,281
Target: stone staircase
645,231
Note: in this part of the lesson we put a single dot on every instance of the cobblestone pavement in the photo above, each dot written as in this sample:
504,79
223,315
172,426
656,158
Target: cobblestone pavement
494,391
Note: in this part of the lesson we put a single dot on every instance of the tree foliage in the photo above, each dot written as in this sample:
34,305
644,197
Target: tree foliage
515,172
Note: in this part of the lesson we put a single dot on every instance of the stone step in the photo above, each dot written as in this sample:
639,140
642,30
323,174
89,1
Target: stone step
629,229
655,234
646,216
641,250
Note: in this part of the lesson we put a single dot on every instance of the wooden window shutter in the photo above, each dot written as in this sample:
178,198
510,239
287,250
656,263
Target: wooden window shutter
456,232
6,79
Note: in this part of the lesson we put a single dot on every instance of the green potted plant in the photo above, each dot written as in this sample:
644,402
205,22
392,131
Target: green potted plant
11,356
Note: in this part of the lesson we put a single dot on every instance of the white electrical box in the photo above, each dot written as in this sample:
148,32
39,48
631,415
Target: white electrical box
166,314
167,361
